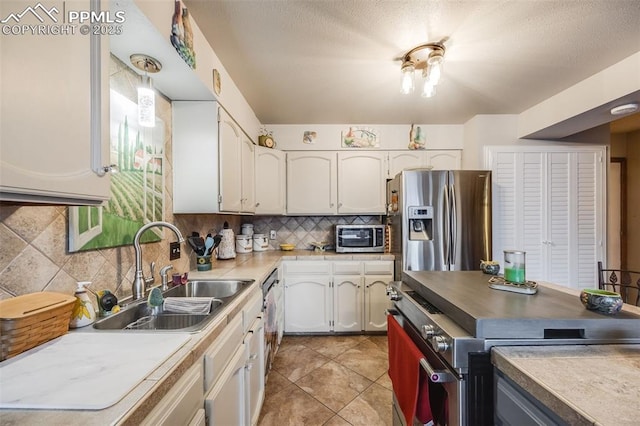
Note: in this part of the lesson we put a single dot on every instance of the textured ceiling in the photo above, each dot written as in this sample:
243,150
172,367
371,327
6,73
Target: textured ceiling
335,61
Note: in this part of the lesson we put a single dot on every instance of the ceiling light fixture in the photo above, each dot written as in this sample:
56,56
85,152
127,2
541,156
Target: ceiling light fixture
426,58
624,109
146,94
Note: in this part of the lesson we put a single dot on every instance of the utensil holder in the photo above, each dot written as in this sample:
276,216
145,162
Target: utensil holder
203,263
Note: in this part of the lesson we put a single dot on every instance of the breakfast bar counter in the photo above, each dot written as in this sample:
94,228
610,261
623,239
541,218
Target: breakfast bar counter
581,384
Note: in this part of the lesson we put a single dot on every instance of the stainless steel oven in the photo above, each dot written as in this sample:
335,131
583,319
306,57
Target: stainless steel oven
446,366
360,238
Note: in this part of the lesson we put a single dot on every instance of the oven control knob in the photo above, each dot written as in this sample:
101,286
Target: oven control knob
439,343
392,293
428,331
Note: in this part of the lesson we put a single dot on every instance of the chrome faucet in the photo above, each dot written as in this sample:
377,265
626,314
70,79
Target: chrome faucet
139,283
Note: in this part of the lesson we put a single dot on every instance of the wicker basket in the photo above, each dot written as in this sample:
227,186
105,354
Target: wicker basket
32,319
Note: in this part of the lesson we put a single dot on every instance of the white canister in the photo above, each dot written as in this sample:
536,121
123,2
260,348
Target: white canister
247,229
260,242
243,244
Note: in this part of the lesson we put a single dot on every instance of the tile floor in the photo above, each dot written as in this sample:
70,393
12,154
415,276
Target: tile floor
329,380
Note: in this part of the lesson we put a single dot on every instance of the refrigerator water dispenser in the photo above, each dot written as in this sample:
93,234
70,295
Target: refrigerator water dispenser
420,223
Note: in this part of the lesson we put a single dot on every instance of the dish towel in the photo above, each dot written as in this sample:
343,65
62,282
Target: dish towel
188,305
409,382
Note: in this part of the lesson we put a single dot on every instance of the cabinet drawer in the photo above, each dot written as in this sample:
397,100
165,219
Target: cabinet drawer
181,402
307,267
347,268
378,267
251,311
220,352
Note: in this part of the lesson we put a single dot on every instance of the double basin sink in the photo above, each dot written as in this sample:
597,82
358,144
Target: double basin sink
140,316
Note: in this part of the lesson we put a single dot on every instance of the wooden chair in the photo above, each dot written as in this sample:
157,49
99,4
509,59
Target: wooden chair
627,283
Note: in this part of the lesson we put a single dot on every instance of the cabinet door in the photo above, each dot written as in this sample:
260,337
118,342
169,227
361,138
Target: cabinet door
376,302
307,303
400,160
226,403
445,160
195,157
254,370
271,181
361,183
229,135
347,303
54,114
248,192
311,183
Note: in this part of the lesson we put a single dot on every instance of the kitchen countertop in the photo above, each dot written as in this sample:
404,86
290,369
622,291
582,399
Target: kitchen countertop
582,384
143,397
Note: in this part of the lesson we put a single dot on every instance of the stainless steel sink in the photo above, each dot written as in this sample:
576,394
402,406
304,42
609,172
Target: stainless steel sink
220,289
139,316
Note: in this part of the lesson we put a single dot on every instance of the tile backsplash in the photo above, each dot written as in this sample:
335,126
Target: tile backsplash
303,230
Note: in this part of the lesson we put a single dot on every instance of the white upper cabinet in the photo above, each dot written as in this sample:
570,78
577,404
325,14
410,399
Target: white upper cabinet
54,115
445,159
549,202
230,164
213,161
361,182
271,181
401,160
436,159
237,170
311,182
248,181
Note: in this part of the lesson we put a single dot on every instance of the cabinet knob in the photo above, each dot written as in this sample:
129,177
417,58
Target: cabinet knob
111,168
257,204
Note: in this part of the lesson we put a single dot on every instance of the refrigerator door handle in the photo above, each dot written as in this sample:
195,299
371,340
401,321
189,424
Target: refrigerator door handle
446,224
454,225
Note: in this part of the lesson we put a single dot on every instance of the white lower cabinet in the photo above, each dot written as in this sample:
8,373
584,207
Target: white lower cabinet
347,303
225,404
307,303
376,302
182,404
234,369
254,370
341,296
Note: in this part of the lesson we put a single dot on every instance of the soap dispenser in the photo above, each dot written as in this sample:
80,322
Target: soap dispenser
83,311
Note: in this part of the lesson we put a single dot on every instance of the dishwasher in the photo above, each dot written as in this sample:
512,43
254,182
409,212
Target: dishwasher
272,330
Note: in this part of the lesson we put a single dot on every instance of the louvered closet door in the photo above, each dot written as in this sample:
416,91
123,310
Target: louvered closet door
549,203
518,207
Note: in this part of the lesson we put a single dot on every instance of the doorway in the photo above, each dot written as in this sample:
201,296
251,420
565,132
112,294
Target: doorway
617,214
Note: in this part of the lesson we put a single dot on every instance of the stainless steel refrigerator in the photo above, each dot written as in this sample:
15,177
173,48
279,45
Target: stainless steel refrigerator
440,219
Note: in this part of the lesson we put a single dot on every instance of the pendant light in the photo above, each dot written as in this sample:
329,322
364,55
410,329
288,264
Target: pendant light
146,94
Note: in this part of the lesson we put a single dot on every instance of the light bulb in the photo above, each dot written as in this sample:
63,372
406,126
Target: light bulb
146,104
407,85
429,90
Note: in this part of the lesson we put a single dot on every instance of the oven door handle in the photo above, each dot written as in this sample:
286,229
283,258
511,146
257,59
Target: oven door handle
437,376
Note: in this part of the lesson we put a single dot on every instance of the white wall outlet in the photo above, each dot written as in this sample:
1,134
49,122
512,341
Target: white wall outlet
272,234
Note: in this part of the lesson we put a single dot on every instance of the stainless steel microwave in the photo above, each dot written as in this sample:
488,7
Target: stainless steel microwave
360,238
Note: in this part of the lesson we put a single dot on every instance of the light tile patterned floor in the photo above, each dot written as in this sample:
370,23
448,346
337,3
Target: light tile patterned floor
329,380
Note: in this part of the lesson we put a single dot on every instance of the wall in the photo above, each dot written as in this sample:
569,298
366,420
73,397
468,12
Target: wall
33,239
329,136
